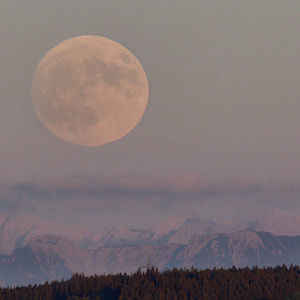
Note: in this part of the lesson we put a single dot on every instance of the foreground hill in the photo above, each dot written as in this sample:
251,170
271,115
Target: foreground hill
247,284
49,257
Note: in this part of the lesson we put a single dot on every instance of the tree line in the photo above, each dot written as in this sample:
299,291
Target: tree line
281,282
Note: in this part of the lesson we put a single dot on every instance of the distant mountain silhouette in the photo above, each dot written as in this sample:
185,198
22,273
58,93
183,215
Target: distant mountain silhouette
50,257
34,250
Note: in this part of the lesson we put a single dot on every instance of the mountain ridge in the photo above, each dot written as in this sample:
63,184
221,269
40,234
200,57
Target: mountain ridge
47,257
17,230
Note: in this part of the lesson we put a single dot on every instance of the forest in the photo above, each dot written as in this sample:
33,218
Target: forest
281,282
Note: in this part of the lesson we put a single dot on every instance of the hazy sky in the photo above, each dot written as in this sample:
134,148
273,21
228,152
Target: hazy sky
220,137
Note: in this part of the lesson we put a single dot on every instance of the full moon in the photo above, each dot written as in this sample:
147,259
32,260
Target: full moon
89,90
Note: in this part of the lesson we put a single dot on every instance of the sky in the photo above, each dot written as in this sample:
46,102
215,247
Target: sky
220,137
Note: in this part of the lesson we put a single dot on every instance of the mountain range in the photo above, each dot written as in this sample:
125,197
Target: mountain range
34,250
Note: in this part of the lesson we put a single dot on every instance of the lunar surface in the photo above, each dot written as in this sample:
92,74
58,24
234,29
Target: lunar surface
89,91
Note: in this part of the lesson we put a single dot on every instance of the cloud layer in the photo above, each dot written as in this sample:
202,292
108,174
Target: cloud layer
187,185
